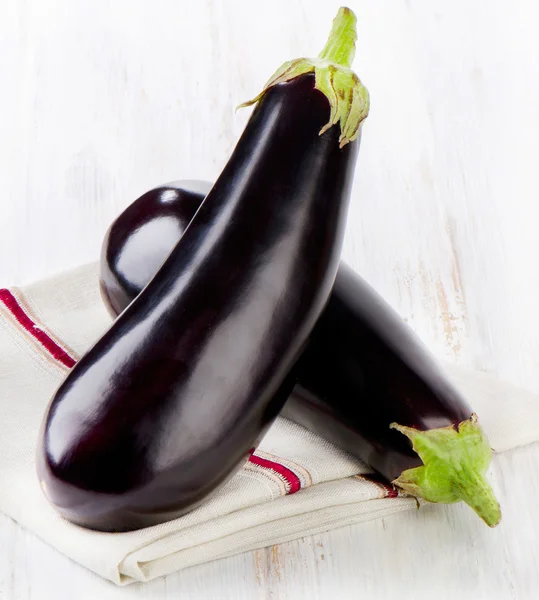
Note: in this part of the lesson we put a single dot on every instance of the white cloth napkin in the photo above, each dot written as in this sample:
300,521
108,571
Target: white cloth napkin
296,483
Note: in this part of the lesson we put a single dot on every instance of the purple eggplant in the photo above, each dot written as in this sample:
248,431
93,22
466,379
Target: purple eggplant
178,392
362,370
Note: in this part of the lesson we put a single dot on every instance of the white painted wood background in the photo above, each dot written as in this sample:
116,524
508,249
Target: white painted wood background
101,100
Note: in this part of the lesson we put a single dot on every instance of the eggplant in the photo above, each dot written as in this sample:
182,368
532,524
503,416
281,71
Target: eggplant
177,393
363,370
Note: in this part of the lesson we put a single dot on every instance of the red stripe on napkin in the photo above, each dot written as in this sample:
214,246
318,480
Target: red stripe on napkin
293,482
10,302
389,490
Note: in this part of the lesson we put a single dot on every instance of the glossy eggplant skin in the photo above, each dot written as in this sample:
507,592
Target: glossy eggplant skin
363,368
136,245
171,400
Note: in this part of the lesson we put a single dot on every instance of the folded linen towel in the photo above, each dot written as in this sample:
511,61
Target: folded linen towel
294,485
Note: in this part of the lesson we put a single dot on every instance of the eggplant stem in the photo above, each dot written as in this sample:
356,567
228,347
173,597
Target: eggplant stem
455,461
341,45
348,98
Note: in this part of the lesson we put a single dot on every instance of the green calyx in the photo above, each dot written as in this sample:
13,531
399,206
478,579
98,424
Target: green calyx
455,461
348,97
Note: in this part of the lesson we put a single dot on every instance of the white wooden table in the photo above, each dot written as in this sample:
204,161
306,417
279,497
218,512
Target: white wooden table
99,101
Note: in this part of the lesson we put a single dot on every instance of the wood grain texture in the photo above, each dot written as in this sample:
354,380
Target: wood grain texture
102,100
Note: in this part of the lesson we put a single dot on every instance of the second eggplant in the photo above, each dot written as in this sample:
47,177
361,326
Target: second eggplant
366,382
